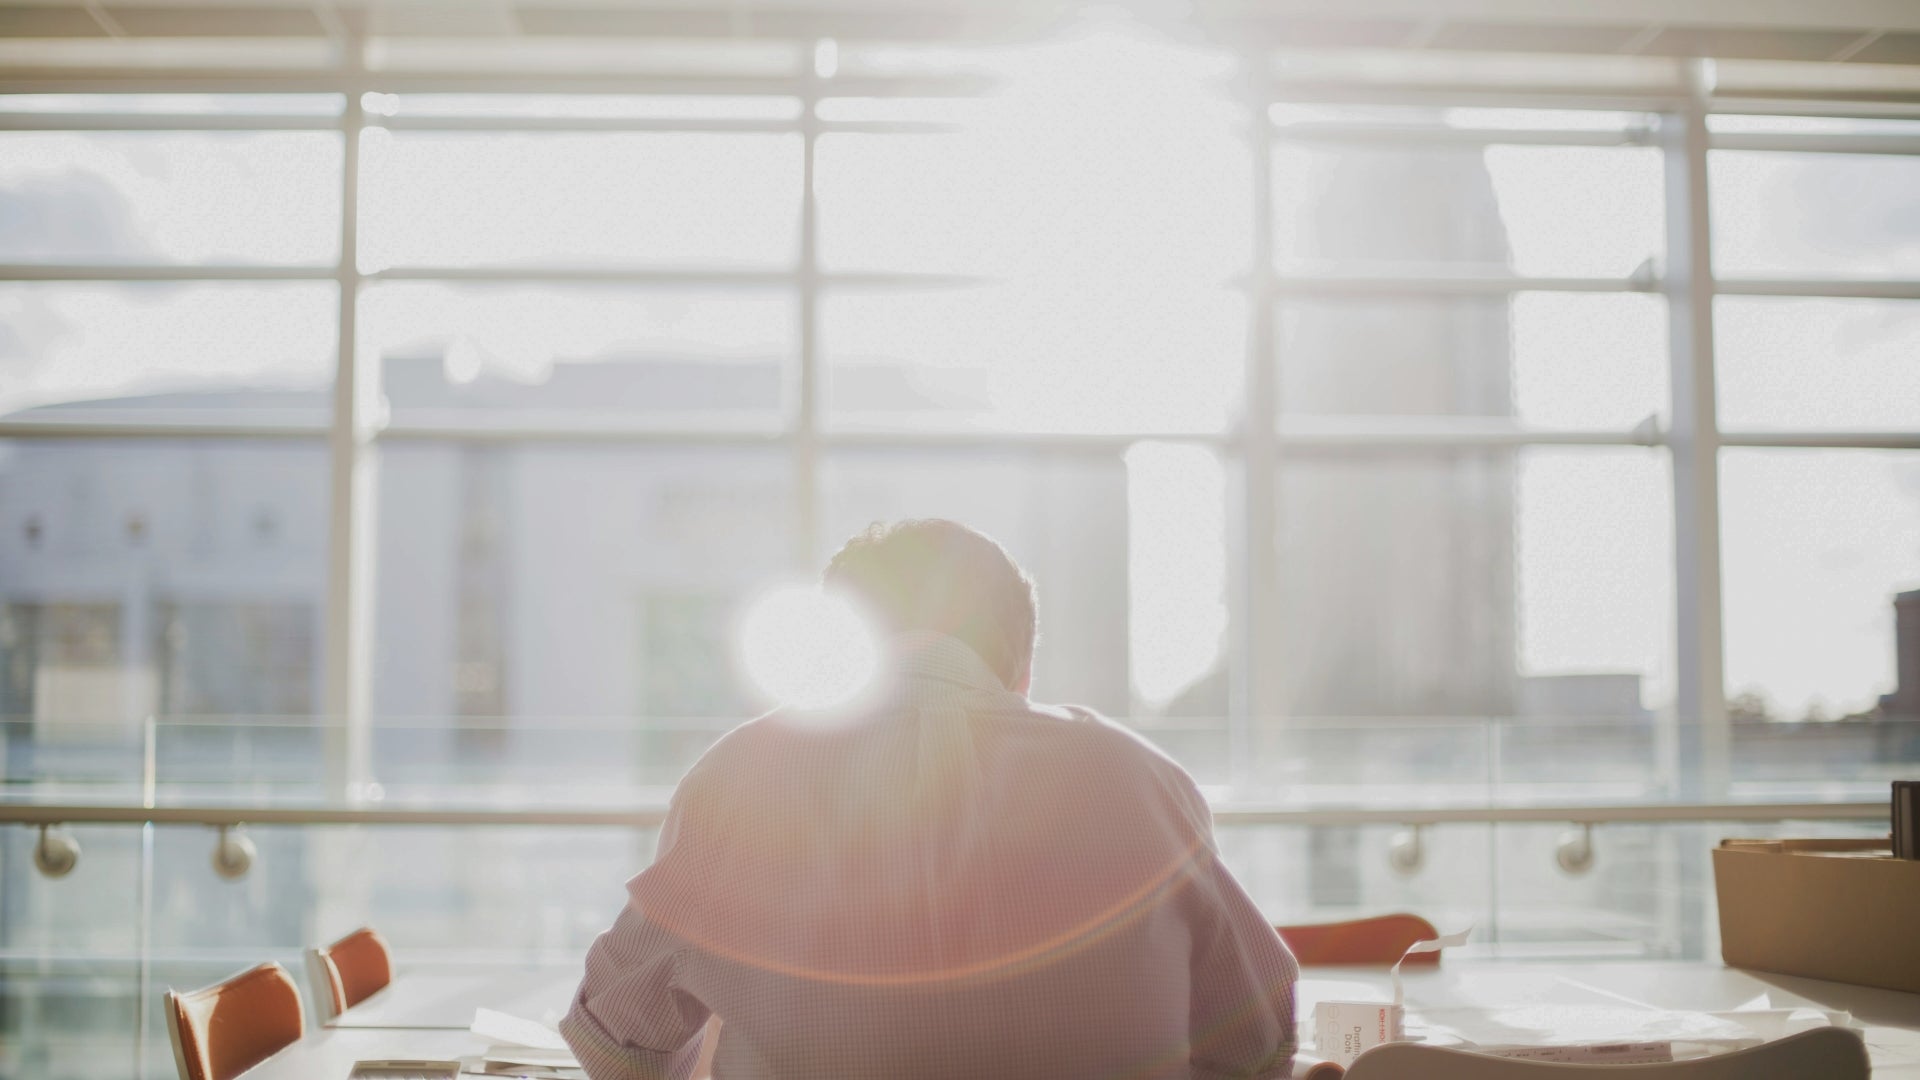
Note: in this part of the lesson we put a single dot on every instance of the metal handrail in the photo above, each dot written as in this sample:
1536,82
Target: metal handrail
652,815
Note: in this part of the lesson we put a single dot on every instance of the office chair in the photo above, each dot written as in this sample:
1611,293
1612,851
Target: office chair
1382,939
227,1028
347,972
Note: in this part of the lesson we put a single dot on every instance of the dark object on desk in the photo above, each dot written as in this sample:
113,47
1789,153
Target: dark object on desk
1381,940
1826,909
405,1070
1829,1053
528,1072
1906,819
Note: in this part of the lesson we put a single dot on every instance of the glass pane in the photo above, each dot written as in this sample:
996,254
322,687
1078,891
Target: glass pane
567,199
1010,359
1046,187
159,577
1639,899
1547,359
438,894
1815,545
255,197
549,583
909,202
1329,873
1819,364
70,946
529,354
241,350
1533,583
1546,210
1847,215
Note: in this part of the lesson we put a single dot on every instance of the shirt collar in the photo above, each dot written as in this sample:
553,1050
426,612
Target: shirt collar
920,656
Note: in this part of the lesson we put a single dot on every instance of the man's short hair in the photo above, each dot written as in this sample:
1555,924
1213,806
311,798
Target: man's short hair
933,574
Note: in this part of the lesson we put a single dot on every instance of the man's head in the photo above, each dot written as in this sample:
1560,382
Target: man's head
931,574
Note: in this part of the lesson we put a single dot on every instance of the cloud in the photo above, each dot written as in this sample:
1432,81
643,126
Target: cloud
68,215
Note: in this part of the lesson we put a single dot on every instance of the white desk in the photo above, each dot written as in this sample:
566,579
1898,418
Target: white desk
1891,1019
329,1053
446,999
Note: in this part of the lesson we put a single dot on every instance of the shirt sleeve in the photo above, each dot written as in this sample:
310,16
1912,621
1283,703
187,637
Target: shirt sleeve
1241,1014
630,1019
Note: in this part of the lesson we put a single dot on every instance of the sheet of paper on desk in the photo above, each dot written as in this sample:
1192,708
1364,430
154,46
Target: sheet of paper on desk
507,1030
1580,1025
1769,1023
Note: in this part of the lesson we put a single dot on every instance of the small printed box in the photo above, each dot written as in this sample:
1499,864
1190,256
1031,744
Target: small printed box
1342,1030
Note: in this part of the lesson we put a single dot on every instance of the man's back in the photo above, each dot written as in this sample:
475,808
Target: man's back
952,883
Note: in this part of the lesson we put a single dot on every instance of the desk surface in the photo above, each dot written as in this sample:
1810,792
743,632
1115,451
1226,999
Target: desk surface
446,999
1891,1019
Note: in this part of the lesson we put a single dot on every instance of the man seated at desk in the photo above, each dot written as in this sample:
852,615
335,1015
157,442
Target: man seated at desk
946,881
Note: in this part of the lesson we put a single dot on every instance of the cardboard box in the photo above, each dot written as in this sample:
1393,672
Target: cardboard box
1844,910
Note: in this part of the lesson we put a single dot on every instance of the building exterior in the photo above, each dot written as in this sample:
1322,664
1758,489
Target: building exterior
1904,702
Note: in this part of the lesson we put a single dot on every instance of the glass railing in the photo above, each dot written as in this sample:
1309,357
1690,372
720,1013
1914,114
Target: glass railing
1554,839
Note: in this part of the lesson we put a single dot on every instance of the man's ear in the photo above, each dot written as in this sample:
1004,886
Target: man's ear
1023,682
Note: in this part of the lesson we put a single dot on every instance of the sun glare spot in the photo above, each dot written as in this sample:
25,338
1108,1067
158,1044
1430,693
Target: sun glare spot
806,649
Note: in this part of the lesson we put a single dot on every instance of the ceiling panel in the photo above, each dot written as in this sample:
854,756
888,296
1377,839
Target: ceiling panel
48,22
256,22
1901,48
1733,43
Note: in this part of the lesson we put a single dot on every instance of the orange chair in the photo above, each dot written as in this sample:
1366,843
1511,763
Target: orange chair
229,1027
348,971
1382,939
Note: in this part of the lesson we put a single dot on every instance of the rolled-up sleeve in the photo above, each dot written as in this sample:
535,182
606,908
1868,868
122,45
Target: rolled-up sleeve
631,1020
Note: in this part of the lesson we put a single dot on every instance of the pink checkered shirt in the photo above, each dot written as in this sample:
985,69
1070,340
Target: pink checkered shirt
952,883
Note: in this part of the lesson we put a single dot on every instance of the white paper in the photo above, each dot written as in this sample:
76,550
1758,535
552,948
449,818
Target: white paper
1444,941
1771,1024
1576,1025
508,1030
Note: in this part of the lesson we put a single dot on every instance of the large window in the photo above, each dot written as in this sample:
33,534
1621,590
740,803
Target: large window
1372,451
627,360
1365,456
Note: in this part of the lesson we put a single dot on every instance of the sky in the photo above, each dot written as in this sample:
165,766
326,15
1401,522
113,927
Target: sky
1106,193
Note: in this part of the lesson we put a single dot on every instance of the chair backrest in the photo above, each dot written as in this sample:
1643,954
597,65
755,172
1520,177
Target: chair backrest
349,971
229,1027
1382,939
1828,1053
